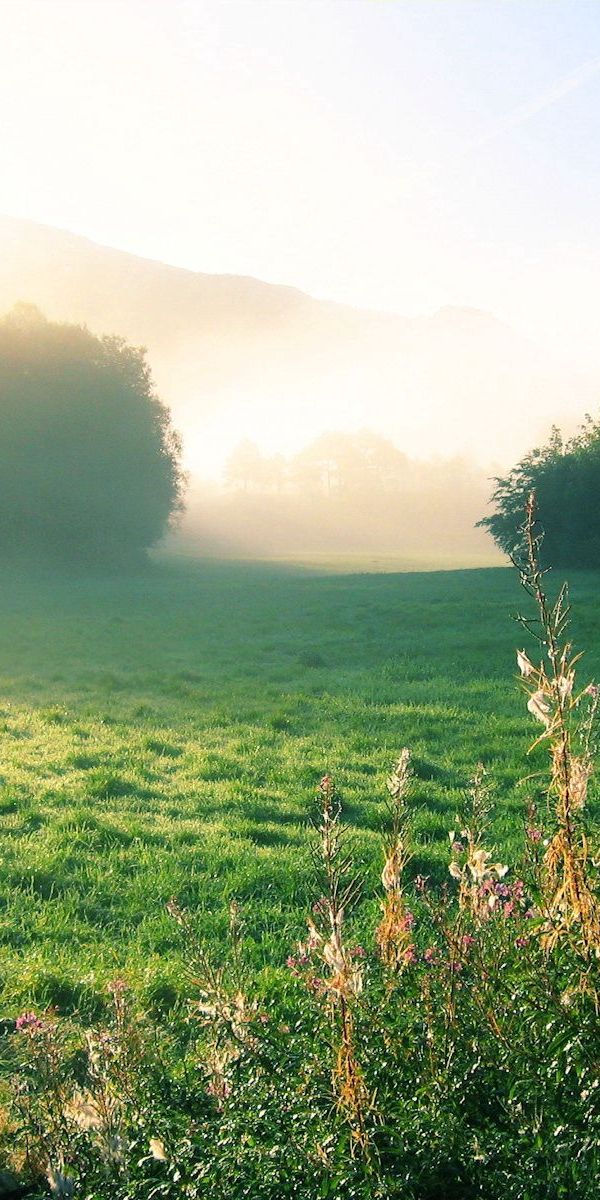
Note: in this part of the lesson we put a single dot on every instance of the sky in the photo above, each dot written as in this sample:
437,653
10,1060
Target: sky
394,154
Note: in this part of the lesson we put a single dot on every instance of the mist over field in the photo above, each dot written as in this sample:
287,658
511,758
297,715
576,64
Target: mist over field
370,432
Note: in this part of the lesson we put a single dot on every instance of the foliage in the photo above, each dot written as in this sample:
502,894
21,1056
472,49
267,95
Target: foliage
88,459
565,476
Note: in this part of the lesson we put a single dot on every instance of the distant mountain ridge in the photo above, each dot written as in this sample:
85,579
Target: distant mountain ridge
229,351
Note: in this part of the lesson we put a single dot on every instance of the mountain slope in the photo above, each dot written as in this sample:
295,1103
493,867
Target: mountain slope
234,356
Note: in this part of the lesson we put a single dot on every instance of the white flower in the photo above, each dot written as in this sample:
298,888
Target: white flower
565,685
525,666
538,706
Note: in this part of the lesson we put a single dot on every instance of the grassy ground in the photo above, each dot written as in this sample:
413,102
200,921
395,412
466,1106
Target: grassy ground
162,734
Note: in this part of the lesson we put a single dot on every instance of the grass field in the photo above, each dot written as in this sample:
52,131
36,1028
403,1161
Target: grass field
163,733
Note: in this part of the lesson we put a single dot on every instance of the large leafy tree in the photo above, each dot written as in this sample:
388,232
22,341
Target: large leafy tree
565,476
89,462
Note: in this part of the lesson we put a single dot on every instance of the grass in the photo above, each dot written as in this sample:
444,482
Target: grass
163,733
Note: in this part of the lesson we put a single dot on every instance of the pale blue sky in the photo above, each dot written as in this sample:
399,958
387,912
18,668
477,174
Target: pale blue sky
398,154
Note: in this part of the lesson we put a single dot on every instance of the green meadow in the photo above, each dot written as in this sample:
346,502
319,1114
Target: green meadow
163,733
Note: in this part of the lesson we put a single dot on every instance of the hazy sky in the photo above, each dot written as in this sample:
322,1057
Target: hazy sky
399,154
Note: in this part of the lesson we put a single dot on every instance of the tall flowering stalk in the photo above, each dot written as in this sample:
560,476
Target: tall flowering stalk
478,877
569,900
341,979
394,932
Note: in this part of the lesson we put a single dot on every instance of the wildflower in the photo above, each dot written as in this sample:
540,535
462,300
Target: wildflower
538,706
409,955
480,868
525,666
314,984
117,987
564,685
521,942
468,941
157,1150
534,835
28,1022
392,871
430,954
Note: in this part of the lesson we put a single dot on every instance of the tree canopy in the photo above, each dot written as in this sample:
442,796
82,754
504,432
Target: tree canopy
89,462
565,476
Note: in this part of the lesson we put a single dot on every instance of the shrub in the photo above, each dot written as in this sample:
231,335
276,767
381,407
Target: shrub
565,476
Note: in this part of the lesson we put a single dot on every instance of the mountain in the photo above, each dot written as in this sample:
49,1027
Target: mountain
234,356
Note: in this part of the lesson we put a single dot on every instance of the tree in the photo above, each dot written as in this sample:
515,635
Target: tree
350,464
565,476
89,462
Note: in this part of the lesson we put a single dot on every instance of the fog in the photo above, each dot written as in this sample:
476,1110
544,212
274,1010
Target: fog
420,412
344,496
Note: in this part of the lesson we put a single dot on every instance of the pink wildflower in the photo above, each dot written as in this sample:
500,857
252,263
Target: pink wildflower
28,1021
117,987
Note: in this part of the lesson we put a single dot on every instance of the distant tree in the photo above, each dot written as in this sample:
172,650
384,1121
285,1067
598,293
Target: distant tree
249,469
243,468
566,478
349,464
89,462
